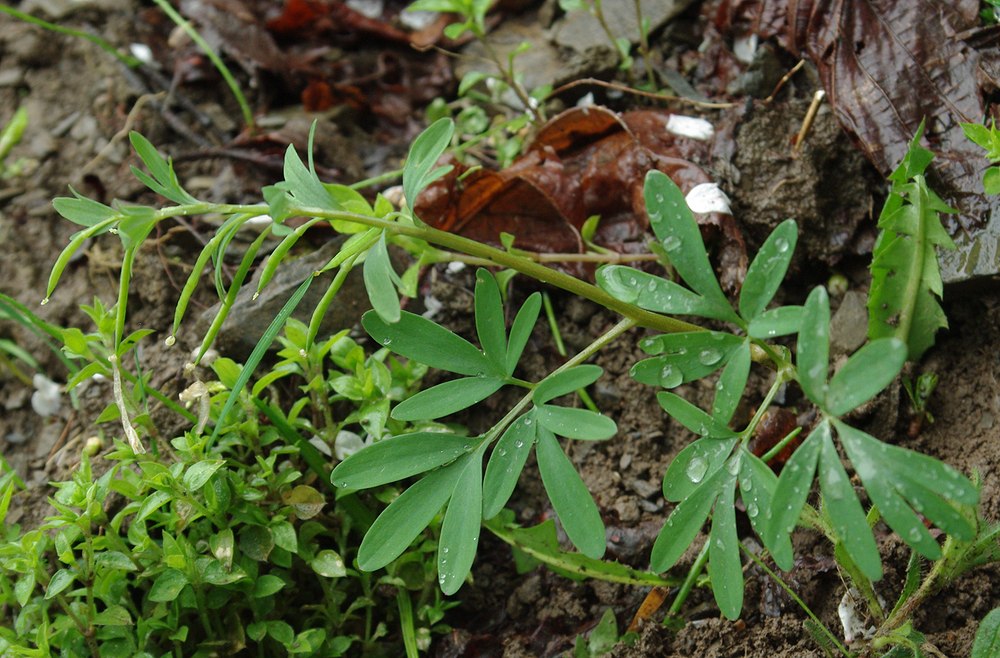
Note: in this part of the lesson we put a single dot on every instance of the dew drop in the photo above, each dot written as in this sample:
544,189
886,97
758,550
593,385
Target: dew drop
527,421
519,444
733,466
501,452
747,484
649,343
914,534
659,198
719,544
696,469
445,550
651,286
781,244
752,510
671,376
709,356
671,242
387,341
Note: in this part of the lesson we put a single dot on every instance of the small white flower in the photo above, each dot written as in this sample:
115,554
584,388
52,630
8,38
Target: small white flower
455,266
346,444
587,100
47,397
706,198
142,52
692,127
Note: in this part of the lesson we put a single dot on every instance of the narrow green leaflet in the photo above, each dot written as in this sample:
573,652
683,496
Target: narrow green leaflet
780,321
489,319
814,346
725,570
460,528
562,383
407,516
767,270
657,294
447,398
697,461
303,185
418,338
684,357
732,382
685,521
163,181
791,492
845,511
692,417
399,457
380,282
60,580
865,374
680,236
506,463
906,279
757,485
420,169
570,497
575,423
520,331
81,210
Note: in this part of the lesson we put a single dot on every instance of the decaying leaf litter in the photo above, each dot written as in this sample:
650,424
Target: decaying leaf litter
546,612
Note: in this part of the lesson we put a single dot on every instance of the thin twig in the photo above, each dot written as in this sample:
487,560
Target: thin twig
638,92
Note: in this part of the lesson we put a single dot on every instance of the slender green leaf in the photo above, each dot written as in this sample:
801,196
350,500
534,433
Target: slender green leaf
845,511
60,580
685,521
725,571
303,184
447,398
520,330
565,382
378,275
779,321
570,498
814,346
657,294
692,465
987,642
680,236
692,417
767,270
506,464
757,489
420,339
406,517
81,210
164,181
490,320
575,423
419,170
791,492
460,528
732,382
393,459
865,374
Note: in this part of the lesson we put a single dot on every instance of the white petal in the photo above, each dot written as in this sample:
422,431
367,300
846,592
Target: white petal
142,52
706,198
47,397
692,127
346,444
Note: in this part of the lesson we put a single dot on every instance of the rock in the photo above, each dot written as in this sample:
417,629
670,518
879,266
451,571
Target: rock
849,325
976,259
249,318
581,31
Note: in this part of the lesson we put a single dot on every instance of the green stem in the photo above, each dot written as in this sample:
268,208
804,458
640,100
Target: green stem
780,445
220,66
689,581
127,60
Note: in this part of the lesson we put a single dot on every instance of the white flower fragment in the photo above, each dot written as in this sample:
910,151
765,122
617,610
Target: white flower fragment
346,444
852,622
47,397
707,198
142,52
693,127
745,47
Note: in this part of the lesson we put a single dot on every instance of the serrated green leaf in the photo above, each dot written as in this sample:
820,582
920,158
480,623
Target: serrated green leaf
657,294
684,522
779,321
565,382
844,508
506,463
420,169
987,642
757,486
447,398
732,382
813,356
406,517
167,586
725,570
489,319
865,375
791,492
692,417
199,473
697,461
420,339
572,423
684,357
680,236
570,498
393,459
768,269
460,528
520,331
379,282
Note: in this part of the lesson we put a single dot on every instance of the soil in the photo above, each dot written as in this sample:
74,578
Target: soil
80,101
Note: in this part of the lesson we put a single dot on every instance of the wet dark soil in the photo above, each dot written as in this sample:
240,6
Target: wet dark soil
79,102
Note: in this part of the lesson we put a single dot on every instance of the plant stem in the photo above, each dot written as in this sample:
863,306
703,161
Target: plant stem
689,581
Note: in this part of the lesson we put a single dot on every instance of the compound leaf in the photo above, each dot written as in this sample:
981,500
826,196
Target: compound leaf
447,398
406,517
418,338
767,270
570,498
400,457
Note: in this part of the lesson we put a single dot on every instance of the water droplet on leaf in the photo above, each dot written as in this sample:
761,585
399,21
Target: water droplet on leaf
710,357
671,376
671,242
696,469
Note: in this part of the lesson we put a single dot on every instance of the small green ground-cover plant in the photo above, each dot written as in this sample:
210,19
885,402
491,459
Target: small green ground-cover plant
472,477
